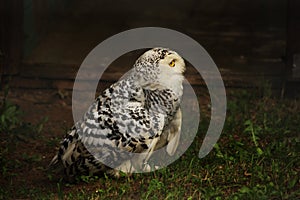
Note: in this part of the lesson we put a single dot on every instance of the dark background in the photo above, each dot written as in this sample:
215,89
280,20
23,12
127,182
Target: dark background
44,42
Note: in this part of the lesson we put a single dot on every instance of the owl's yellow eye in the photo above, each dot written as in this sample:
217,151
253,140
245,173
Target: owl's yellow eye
172,63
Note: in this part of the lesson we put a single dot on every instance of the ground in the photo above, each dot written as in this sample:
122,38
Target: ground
256,156
35,151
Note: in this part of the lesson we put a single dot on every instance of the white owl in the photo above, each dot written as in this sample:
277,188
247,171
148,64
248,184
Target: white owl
138,114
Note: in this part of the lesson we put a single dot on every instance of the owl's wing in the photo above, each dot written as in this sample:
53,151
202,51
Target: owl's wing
171,134
116,119
115,124
174,133
121,122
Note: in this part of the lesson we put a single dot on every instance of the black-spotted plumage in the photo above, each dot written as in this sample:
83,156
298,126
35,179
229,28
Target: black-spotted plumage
139,113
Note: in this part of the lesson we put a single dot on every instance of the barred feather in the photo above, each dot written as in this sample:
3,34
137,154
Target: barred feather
139,113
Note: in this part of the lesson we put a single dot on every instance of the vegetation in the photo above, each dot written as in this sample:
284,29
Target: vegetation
13,131
257,157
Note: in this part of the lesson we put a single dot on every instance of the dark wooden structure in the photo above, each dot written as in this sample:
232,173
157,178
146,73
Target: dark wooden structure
292,70
11,36
293,40
44,42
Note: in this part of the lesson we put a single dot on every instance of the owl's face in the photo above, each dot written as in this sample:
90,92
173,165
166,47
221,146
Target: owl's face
171,63
164,59
160,61
161,66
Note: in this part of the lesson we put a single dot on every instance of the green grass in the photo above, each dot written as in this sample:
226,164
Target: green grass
256,157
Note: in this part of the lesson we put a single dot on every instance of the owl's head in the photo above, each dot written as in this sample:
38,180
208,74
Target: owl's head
163,59
161,66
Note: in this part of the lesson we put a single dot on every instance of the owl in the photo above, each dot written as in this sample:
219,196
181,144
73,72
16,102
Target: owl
134,116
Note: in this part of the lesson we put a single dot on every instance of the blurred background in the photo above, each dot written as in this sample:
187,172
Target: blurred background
43,43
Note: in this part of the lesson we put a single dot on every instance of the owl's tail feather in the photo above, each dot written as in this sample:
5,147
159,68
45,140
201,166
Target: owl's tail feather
55,165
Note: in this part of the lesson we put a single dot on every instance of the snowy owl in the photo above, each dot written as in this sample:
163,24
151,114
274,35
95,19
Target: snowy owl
139,114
